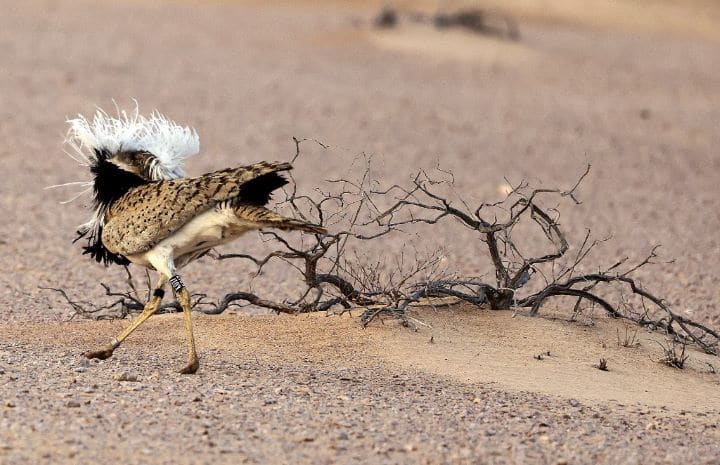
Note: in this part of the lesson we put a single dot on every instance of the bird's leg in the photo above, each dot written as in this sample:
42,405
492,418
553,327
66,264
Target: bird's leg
184,297
150,308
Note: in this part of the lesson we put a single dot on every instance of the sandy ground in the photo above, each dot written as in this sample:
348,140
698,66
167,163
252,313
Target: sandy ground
636,98
317,389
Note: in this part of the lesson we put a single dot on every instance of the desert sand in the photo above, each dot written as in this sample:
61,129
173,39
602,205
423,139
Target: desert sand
634,93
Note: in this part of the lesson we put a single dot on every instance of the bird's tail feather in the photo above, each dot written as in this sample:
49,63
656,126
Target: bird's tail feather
265,218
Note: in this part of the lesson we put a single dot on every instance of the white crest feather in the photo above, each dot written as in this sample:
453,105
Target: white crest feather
168,141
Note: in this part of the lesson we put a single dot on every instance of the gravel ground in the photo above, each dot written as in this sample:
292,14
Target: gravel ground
273,390
287,413
642,109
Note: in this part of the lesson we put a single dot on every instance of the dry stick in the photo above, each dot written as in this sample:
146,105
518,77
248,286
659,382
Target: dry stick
250,298
536,300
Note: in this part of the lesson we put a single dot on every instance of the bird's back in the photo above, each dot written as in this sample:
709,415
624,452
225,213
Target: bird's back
149,213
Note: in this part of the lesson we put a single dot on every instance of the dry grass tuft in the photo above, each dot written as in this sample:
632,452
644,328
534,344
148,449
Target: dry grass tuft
602,365
673,357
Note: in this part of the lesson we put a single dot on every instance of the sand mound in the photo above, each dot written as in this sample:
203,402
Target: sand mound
498,347
463,344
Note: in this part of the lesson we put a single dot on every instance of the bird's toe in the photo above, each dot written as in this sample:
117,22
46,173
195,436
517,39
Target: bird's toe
101,354
191,367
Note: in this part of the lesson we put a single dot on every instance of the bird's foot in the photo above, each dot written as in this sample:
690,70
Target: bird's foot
102,354
191,367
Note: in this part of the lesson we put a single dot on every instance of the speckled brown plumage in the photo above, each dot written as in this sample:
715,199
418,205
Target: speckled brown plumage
147,214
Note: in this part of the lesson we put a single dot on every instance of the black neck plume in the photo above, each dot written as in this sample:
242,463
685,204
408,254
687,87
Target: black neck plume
110,184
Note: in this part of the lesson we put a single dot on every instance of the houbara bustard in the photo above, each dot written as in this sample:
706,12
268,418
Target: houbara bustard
148,213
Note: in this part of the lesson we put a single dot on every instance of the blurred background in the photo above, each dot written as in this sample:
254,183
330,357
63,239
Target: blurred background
490,90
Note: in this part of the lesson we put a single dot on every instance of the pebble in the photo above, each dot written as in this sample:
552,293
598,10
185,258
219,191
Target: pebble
125,376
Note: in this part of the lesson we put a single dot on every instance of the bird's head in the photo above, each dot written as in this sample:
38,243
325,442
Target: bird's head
116,173
140,163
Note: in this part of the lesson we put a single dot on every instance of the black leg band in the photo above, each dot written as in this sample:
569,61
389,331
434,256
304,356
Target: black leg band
159,293
176,283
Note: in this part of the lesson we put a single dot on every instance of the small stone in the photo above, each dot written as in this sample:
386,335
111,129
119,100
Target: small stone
343,436
125,376
72,404
465,453
9,404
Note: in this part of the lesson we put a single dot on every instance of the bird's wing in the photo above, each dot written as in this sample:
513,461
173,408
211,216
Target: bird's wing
147,214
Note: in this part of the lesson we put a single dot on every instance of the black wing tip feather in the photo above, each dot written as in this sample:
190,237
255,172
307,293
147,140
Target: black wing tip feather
98,251
258,191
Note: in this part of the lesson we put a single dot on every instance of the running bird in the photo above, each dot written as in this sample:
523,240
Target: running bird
146,212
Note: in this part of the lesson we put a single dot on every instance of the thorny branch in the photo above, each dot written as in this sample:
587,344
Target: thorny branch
361,210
